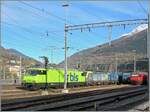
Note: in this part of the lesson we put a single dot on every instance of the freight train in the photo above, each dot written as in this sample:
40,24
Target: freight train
41,78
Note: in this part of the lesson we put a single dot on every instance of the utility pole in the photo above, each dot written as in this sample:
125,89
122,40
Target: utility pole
65,50
4,72
116,63
134,53
79,60
134,64
66,67
51,56
110,34
52,48
148,42
20,70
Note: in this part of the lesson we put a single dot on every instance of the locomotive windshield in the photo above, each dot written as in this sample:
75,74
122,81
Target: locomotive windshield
36,72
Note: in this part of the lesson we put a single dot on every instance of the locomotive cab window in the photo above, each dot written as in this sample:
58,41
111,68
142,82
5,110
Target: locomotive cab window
83,73
36,72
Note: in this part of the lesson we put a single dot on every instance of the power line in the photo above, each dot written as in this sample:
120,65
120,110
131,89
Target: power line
42,10
17,44
17,25
31,45
144,10
51,33
29,31
36,9
33,13
23,9
25,38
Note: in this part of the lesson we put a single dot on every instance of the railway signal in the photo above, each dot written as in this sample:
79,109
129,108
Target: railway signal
46,66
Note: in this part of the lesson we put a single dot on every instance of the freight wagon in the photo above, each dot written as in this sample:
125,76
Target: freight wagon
97,78
102,78
124,77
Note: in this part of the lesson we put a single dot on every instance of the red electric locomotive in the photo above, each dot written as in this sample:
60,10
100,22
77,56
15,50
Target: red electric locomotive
139,78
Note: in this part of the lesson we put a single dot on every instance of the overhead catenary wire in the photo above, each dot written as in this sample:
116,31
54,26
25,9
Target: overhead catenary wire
25,45
52,32
39,10
106,24
141,6
29,31
43,35
34,14
18,44
43,10
24,28
23,38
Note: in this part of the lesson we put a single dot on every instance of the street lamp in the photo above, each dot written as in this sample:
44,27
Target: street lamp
65,50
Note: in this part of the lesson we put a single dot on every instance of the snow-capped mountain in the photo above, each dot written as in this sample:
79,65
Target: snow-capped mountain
136,30
140,28
135,40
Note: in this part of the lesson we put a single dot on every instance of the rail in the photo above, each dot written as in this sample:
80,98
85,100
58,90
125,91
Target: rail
76,101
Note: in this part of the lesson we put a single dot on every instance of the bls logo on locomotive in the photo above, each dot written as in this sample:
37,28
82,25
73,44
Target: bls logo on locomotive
73,77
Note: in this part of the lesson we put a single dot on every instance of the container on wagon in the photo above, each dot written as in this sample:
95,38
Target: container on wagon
126,76
113,76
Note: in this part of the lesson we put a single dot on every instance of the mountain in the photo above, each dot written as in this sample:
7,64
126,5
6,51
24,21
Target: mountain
136,30
12,54
125,45
15,52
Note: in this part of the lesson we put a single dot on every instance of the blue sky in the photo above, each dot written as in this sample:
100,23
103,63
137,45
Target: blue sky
25,28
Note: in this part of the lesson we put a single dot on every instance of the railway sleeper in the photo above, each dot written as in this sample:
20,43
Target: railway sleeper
81,100
124,104
96,104
17,104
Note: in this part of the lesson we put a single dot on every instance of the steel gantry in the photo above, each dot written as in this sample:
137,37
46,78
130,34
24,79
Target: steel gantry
123,23
89,26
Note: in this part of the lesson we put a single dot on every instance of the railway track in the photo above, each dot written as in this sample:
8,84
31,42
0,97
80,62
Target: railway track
12,92
75,101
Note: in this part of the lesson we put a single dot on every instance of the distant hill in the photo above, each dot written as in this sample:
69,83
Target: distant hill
135,40
17,53
12,54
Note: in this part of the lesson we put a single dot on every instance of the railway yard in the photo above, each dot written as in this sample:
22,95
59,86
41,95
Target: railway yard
102,97
12,91
75,56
